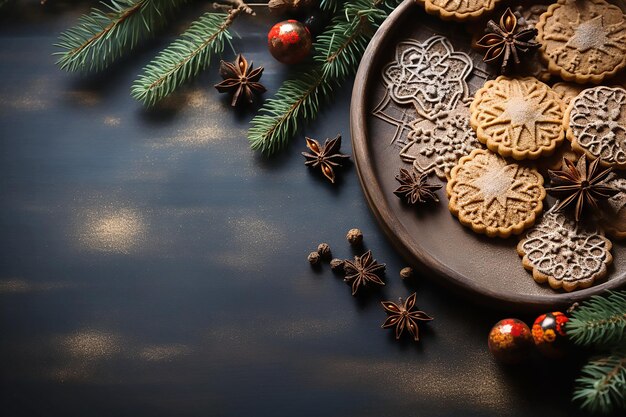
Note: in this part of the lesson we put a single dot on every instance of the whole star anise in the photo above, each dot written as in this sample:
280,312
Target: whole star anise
505,41
580,185
241,80
325,156
415,188
403,315
362,271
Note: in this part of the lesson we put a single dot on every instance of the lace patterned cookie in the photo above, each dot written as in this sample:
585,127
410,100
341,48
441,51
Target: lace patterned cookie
565,254
614,219
459,10
439,148
521,118
596,124
583,41
493,196
431,76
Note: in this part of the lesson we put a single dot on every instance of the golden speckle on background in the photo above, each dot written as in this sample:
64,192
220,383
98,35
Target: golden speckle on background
90,344
112,230
112,121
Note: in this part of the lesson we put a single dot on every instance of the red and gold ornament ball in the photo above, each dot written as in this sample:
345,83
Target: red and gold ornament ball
549,333
510,341
289,41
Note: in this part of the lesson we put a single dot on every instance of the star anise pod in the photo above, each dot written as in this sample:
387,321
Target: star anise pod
404,315
241,80
415,188
580,186
362,271
505,41
325,156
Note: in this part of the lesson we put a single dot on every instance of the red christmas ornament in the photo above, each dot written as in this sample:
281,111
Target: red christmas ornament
549,334
510,340
289,41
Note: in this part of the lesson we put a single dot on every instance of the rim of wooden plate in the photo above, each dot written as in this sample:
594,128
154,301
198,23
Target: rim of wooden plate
392,226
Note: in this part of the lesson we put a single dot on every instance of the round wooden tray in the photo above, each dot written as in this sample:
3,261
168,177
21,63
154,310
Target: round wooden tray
486,269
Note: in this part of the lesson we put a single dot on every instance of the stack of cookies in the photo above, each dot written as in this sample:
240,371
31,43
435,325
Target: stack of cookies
528,127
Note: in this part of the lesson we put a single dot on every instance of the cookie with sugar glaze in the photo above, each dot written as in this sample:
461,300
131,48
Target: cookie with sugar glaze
493,196
520,118
458,10
565,254
596,125
583,41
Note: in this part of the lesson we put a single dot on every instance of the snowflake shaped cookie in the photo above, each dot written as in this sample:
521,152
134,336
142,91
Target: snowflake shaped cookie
583,41
493,196
521,118
458,10
563,253
429,75
437,149
596,124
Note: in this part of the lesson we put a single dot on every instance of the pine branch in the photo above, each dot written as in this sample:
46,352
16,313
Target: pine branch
338,52
104,35
296,99
600,320
602,384
184,58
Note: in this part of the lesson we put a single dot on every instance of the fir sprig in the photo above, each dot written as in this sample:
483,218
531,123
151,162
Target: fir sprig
338,52
602,384
184,58
600,320
296,99
104,35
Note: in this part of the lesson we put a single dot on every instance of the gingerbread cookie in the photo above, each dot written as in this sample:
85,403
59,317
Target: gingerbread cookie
596,124
459,10
564,253
430,79
614,216
583,41
519,118
493,196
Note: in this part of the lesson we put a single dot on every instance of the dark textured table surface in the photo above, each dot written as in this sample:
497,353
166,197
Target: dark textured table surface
151,264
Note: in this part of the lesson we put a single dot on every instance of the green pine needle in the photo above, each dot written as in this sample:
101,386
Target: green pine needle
602,384
330,5
599,320
184,58
104,35
338,53
296,99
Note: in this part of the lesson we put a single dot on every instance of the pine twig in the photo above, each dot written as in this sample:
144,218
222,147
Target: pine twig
602,384
600,320
192,52
104,35
296,99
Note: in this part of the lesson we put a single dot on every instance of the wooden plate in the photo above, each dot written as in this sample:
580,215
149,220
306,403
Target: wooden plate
486,269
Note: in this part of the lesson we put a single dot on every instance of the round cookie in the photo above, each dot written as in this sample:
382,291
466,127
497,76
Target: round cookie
563,253
459,10
494,197
614,216
518,117
596,125
583,41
